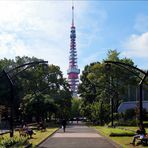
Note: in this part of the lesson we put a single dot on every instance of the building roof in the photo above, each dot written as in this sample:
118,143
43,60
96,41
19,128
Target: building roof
131,104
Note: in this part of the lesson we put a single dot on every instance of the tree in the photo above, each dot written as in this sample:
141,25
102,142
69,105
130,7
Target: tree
99,86
39,91
75,108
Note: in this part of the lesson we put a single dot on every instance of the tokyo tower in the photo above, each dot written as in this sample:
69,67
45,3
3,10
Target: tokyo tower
73,70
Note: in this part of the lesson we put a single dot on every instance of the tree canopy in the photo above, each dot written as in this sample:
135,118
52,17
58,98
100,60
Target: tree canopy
40,91
99,85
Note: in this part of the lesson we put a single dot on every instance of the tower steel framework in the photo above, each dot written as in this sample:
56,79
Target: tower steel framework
73,70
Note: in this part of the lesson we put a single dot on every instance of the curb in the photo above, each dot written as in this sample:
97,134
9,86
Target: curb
28,146
47,137
4,133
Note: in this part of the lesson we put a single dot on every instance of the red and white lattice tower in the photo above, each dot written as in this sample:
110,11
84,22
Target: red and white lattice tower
73,70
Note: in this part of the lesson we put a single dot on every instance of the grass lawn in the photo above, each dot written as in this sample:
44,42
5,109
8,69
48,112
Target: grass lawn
37,138
40,136
16,134
133,128
123,141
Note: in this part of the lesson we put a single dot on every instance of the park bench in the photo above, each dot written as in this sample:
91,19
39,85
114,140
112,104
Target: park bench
25,133
143,141
22,132
42,127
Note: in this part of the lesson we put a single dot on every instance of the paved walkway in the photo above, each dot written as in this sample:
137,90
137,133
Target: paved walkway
77,136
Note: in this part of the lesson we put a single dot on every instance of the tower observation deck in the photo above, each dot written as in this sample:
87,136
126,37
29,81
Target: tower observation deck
73,70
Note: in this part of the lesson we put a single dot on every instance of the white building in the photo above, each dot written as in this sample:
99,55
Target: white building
131,104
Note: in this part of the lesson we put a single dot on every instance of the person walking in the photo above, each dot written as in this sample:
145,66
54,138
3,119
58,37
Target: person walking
64,125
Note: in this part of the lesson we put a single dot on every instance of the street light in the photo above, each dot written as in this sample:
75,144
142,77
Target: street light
108,68
129,68
7,74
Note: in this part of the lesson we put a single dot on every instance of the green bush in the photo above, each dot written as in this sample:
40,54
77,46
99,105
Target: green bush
115,123
13,142
121,134
8,142
129,114
117,116
145,124
132,122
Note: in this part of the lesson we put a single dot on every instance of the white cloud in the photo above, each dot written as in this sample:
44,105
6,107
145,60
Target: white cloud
36,28
42,29
10,46
137,46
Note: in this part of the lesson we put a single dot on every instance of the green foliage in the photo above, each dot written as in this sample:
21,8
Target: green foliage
98,86
99,112
122,134
49,95
39,92
13,142
110,131
129,114
113,55
96,112
124,141
76,107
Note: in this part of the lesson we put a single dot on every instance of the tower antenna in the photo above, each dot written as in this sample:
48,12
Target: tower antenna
73,71
72,13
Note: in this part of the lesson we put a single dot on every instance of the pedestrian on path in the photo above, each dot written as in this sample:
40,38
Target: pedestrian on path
64,124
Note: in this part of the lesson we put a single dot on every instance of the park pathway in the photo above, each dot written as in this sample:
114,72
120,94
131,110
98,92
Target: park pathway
77,136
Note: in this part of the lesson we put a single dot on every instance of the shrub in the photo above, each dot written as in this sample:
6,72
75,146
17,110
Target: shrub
117,116
129,114
121,134
115,123
9,142
132,122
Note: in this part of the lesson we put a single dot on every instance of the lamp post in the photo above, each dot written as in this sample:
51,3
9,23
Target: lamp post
108,68
112,114
141,98
130,69
7,74
11,103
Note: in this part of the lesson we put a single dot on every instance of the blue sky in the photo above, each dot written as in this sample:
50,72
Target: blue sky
42,29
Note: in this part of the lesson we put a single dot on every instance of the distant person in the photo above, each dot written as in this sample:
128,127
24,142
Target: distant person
28,130
25,126
77,120
140,133
64,124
